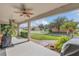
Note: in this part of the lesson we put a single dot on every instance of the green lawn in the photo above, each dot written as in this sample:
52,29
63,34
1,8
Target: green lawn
46,37
76,34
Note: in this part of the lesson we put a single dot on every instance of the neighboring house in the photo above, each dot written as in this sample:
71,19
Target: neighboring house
54,29
35,28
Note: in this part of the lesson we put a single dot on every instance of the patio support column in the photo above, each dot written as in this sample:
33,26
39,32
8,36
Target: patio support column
29,30
17,29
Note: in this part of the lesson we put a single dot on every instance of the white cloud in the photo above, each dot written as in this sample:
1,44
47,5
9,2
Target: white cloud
76,12
23,25
40,21
35,23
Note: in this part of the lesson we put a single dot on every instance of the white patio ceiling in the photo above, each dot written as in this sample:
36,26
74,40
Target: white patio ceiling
40,10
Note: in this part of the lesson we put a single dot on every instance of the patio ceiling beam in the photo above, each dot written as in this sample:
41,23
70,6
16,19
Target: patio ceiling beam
61,9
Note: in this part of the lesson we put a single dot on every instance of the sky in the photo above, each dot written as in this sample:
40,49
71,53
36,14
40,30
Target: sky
70,15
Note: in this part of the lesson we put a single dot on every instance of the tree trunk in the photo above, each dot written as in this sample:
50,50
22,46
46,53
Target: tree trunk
58,29
67,32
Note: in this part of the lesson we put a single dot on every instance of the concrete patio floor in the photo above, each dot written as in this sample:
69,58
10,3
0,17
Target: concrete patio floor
28,49
2,52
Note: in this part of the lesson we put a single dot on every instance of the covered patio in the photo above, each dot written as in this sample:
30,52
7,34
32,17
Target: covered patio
27,47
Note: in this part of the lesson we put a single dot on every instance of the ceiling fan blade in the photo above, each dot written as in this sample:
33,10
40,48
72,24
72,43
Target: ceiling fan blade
30,13
21,14
27,15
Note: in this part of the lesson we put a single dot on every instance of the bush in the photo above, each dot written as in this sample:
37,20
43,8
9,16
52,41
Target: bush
24,34
76,34
60,42
50,31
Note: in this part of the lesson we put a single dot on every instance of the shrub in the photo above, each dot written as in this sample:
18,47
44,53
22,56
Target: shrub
60,42
24,34
76,34
50,31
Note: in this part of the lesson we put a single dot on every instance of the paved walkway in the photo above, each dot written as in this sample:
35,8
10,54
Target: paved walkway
15,41
45,42
30,49
18,40
27,49
2,52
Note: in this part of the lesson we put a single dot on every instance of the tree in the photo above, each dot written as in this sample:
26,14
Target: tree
12,27
41,26
69,26
9,29
57,23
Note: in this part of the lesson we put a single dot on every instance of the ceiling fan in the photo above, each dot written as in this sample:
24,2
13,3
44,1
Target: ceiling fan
23,10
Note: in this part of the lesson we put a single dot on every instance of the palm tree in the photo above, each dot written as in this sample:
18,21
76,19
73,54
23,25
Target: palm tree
69,26
57,23
23,11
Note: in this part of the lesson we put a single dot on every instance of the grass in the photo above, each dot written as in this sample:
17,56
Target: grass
76,34
46,37
43,37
